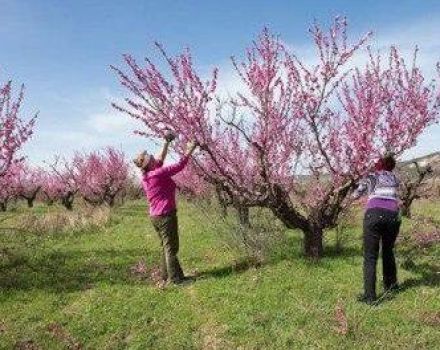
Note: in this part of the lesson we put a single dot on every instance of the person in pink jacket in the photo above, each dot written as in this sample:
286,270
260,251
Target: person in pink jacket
160,190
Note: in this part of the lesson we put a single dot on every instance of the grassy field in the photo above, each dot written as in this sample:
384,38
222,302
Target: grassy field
78,291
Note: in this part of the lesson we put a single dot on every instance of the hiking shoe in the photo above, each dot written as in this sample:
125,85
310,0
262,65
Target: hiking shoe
181,281
362,298
393,288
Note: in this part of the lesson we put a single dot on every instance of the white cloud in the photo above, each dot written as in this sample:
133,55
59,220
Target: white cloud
110,123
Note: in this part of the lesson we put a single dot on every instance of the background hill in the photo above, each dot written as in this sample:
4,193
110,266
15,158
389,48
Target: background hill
432,159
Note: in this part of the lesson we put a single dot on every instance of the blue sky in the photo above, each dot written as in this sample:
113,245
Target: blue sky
62,51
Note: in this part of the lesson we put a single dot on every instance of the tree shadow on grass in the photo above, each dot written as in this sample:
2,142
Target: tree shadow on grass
244,264
289,251
70,271
235,268
333,252
429,276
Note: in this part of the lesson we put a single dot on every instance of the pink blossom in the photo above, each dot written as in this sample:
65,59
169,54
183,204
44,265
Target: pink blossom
293,118
14,131
101,176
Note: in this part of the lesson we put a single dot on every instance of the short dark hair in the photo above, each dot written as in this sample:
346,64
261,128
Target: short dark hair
389,162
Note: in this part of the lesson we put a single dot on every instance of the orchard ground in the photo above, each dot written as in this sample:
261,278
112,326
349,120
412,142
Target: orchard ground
80,290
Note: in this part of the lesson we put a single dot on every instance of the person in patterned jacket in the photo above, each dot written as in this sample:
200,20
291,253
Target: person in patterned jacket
381,226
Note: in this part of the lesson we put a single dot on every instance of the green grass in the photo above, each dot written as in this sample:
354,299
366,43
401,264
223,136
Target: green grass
82,283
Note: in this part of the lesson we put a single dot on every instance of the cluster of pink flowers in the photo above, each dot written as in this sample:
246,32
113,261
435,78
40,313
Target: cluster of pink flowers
192,185
29,182
101,176
21,181
14,131
52,187
97,176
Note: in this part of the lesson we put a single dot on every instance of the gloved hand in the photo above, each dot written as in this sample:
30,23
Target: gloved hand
169,136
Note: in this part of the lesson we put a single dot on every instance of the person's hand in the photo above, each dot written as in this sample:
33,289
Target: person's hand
203,147
169,136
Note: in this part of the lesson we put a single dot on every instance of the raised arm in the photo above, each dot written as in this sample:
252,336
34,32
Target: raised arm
163,153
169,137
173,169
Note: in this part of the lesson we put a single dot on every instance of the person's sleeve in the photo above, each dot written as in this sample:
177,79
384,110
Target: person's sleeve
172,169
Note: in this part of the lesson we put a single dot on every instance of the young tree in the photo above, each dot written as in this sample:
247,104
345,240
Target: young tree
51,188
14,131
9,186
326,119
64,182
101,176
411,184
29,182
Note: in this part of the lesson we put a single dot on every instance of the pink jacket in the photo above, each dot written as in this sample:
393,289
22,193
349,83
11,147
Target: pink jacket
160,189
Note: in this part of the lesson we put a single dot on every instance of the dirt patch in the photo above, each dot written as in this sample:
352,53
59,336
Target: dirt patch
62,335
340,318
430,318
26,345
2,327
212,337
141,271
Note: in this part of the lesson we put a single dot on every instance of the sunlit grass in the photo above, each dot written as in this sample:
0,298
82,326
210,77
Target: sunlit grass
81,283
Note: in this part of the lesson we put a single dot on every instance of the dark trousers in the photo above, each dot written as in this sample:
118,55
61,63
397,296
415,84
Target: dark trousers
380,225
166,227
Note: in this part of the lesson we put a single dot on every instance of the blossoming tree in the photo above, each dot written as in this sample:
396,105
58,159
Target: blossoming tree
14,131
328,119
9,186
63,182
101,176
413,185
51,188
29,182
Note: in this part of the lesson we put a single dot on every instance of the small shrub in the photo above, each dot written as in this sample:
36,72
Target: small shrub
345,221
418,241
255,242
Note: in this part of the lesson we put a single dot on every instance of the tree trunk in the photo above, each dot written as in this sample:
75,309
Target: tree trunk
406,208
223,211
284,211
111,201
68,205
293,219
243,215
406,211
313,242
223,204
313,235
3,207
67,201
30,202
